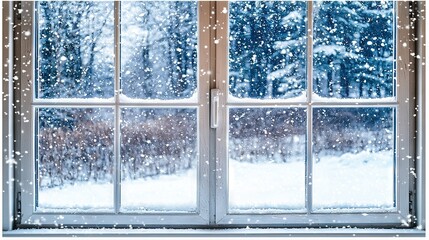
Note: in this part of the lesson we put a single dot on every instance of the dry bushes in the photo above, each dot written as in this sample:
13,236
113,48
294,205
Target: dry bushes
84,152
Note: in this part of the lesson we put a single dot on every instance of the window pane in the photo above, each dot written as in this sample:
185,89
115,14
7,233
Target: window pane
353,158
353,49
74,159
159,159
267,159
159,49
267,49
75,49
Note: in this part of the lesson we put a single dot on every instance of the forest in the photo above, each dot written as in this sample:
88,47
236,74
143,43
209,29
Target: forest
353,58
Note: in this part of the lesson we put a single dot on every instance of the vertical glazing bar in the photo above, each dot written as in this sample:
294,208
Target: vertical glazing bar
309,159
117,86
405,93
205,181
23,96
221,69
211,22
7,110
421,49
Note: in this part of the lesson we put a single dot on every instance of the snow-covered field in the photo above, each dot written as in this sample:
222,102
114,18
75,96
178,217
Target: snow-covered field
268,186
166,192
363,180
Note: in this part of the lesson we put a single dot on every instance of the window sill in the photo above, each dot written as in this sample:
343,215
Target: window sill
291,232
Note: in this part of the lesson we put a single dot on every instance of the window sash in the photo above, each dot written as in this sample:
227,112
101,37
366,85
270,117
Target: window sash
403,148
32,217
214,189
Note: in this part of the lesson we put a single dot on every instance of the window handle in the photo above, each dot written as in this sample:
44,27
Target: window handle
214,108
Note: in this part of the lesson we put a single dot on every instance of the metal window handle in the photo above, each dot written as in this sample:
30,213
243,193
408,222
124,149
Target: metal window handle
214,108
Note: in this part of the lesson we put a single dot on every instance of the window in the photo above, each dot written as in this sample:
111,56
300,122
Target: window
300,135
219,114
116,115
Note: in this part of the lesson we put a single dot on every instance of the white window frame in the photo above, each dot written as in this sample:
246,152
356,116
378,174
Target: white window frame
212,190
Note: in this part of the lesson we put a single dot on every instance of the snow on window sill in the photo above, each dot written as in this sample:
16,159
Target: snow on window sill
252,232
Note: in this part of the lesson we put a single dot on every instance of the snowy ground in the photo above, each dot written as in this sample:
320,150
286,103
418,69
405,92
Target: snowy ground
363,180
166,192
268,186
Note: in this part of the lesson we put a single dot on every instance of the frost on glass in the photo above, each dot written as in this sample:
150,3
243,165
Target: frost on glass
353,158
159,159
75,49
267,49
159,49
266,159
74,159
353,49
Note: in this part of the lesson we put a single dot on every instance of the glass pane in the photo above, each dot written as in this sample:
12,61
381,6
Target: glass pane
353,49
353,158
267,159
74,159
159,159
75,49
159,49
267,49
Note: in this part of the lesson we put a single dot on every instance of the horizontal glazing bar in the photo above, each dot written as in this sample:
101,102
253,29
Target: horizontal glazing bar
314,104
76,101
112,104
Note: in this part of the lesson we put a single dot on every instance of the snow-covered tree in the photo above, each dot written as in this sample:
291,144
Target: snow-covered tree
75,49
159,49
353,50
267,49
